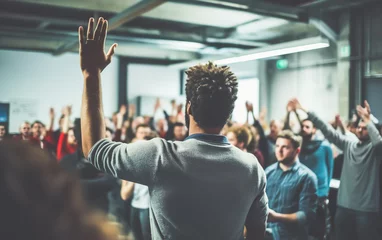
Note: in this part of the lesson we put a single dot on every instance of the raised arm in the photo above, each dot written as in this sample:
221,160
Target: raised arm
93,60
329,162
51,119
66,119
332,135
340,124
298,118
365,114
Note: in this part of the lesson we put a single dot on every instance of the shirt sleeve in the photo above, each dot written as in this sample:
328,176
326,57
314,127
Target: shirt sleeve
308,200
61,146
375,137
136,162
329,163
332,135
258,213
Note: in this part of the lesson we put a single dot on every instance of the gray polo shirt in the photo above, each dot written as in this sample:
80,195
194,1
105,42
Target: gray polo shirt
359,188
201,188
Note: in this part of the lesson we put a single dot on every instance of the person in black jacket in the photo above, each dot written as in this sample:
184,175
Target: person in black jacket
95,184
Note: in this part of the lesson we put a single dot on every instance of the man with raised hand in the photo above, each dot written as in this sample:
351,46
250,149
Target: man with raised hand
200,188
358,196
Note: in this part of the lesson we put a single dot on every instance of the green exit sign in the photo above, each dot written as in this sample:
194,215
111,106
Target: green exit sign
345,51
282,64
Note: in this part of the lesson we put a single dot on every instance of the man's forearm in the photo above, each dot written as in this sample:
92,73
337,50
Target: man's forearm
92,118
332,135
287,218
287,124
375,137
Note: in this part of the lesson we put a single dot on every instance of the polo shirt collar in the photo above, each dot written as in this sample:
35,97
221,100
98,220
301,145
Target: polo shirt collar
215,138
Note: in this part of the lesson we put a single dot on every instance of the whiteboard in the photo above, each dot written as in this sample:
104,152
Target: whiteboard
22,110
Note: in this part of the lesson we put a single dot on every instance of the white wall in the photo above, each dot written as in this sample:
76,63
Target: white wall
39,81
315,84
152,80
161,81
316,88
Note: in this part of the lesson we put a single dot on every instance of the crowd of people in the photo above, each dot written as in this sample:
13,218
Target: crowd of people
193,174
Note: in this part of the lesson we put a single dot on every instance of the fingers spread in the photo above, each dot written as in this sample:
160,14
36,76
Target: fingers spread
90,35
98,29
81,36
103,33
110,53
367,106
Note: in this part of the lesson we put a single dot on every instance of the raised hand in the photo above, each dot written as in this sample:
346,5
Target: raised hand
173,104
263,114
157,104
249,106
295,103
122,110
92,47
131,110
290,107
67,111
51,113
364,112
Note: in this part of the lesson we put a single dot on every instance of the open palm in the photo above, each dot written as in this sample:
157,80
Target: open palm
92,47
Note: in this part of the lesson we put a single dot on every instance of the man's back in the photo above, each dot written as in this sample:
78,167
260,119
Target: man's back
202,188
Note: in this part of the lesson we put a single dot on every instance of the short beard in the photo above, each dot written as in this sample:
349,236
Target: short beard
288,161
307,137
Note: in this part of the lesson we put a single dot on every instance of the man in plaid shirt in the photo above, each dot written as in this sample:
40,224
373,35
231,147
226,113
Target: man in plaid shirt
291,189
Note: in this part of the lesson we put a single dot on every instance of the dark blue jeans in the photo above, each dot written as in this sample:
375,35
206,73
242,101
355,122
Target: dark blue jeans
356,225
140,223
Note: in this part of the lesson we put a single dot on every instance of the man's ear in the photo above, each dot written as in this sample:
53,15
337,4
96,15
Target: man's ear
298,150
189,108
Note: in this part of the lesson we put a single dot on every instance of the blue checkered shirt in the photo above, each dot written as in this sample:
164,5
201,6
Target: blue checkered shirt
292,191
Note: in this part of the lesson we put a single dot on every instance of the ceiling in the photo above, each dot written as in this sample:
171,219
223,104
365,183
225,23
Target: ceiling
176,30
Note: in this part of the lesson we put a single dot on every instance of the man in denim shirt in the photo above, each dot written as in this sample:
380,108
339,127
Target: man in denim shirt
291,190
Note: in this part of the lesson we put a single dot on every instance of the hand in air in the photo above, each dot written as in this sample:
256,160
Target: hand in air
92,47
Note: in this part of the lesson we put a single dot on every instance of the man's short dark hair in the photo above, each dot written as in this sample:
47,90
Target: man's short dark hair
288,134
151,135
309,120
179,124
143,125
212,92
37,122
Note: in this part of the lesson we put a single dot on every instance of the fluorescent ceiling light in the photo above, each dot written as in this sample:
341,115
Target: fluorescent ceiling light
264,52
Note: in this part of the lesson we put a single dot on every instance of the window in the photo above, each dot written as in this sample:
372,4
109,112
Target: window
248,91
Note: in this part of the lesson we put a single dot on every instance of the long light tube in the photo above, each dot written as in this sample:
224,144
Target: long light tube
266,52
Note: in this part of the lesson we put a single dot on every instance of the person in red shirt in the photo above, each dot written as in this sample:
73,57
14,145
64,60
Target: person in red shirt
67,143
42,136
